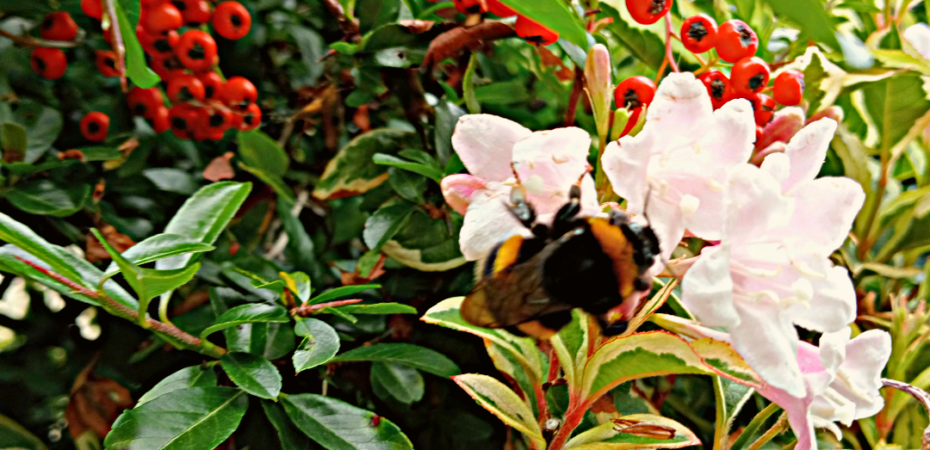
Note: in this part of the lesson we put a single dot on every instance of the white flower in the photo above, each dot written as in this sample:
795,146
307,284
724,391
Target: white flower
772,269
919,37
548,163
680,160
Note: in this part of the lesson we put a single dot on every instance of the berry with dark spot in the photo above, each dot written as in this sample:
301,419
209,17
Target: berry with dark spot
634,92
648,12
749,76
49,63
231,20
106,63
735,41
196,50
95,126
58,26
699,33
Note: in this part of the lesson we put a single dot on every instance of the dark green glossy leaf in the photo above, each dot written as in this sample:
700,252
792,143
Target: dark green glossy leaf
250,313
271,340
353,172
343,291
290,436
379,308
810,16
42,124
432,173
254,374
407,354
643,44
340,426
192,418
320,344
171,180
136,68
44,197
159,247
188,377
554,14
402,383
13,138
99,153
386,222
275,181
260,152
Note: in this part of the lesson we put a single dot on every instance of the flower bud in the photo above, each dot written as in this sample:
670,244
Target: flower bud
599,86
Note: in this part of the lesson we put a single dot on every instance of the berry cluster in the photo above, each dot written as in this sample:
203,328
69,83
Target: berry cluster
734,42
203,104
47,62
533,32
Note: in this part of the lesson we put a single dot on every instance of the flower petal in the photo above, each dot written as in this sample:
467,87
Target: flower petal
833,349
680,113
808,150
784,125
919,36
549,163
485,144
667,222
769,343
754,203
488,222
730,139
824,212
458,190
707,289
625,164
866,357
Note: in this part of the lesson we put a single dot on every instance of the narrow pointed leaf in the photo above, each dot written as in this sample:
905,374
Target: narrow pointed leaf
319,346
407,354
610,436
343,291
290,436
254,374
158,247
188,377
379,308
497,398
402,383
338,425
250,313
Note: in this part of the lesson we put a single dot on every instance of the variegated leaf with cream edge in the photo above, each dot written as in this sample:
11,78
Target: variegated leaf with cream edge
571,345
498,399
506,363
723,357
352,171
446,314
611,436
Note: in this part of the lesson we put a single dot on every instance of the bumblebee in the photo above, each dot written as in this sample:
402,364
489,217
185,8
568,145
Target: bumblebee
529,285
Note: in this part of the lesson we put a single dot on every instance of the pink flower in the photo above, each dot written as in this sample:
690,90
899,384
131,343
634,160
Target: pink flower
680,160
772,269
548,163
841,378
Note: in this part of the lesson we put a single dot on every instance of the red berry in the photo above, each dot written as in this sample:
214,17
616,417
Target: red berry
95,125
534,33
92,8
152,3
213,85
106,63
184,88
144,102
250,119
699,33
749,76
186,119
718,86
648,12
160,121
157,44
196,50
759,132
470,6
218,121
166,66
763,107
240,93
49,63
58,26
499,9
789,87
735,41
162,18
231,20
634,92
194,12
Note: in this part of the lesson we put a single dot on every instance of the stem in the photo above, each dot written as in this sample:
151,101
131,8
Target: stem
307,309
163,309
780,426
117,40
865,241
720,427
577,88
348,25
29,41
668,43
921,396
120,310
573,418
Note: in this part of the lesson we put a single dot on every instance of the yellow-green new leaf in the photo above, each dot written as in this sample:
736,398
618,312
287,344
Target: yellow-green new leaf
497,398
571,345
630,434
724,358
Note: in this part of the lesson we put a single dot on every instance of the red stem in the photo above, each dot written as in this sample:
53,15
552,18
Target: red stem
668,43
573,418
306,310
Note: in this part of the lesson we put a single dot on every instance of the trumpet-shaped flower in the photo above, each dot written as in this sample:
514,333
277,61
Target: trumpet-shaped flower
771,270
548,163
675,168
841,377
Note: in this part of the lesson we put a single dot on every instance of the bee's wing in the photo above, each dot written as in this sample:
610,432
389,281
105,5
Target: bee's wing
511,297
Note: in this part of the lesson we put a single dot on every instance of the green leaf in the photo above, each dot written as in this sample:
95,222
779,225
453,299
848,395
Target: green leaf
100,153
192,418
254,374
290,436
136,68
44,197
352,171
746,436
16,437
814,76
611,436
343,291
411,355
637,356
446,314
642,43
320,344
386,222
379,308
275,181
204,216
261,152
555,15
723,357
447,116
249,313
300,249
810,17
13,138
42,124
498,399
468,85
298,283
188,377
898,106
432,173
171,180
399,382
337,425
271,340
571,345
160,246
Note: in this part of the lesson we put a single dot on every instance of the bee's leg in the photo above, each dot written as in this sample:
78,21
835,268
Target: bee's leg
611,329
565,217
523,210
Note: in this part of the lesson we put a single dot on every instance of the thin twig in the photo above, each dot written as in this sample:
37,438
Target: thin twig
29,41
307,309
349,26
921,396
116,40
780,426
668,43
577,89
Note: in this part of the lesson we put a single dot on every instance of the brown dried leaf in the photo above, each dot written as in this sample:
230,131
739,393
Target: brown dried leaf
72,154
99,190
219,168
454,41
361,119
417,26
95,403
95,252
549,59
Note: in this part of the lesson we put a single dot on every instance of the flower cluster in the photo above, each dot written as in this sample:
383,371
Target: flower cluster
771,225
